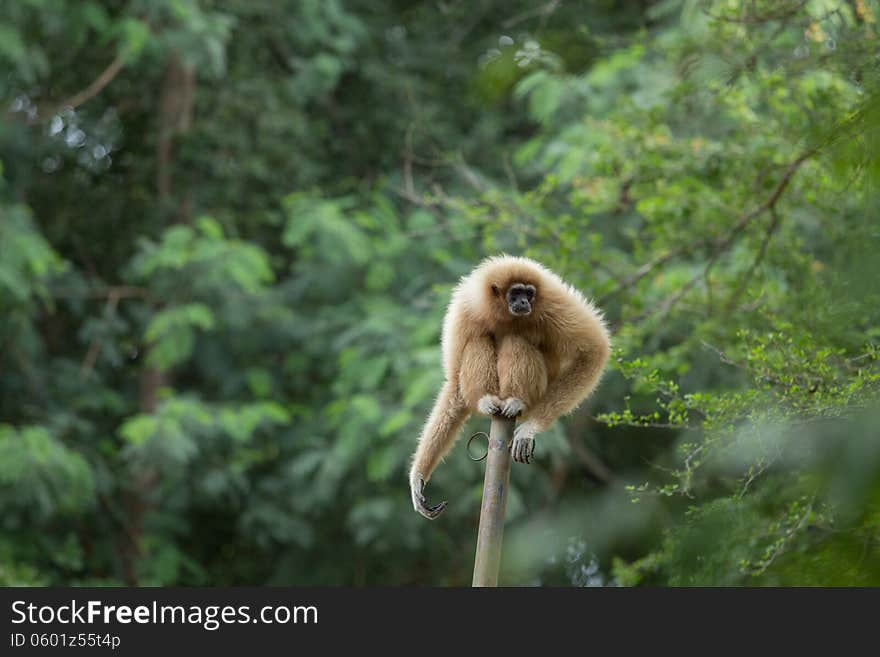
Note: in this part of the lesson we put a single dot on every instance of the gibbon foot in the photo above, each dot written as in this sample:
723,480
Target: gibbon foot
512,407
522,447
417,489
490,405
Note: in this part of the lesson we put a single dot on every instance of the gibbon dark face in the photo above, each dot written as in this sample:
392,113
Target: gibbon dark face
520,298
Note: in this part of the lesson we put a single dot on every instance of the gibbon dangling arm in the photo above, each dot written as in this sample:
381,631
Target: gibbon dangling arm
470,368
440,431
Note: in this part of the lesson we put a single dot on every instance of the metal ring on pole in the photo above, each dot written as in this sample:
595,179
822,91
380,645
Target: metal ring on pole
471,439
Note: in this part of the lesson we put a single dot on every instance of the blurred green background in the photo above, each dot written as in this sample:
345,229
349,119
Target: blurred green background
228,231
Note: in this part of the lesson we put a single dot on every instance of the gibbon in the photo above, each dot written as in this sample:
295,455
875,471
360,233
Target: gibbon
519,342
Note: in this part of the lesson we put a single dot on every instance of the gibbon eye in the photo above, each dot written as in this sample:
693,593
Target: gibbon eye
530,292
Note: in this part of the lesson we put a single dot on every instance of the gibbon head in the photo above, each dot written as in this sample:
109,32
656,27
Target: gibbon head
504,289
518,296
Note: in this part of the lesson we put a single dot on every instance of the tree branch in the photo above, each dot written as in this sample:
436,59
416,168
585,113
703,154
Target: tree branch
723,244
543,11
97,85
762,251
95,347
646,269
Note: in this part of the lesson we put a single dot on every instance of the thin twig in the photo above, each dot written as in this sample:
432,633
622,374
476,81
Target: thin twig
647,268
408,162
543,11
787,538
95,347
779,14
121,291
771,229
508,170
724,357
97,85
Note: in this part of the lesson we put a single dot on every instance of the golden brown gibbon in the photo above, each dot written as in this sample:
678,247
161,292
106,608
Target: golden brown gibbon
519,342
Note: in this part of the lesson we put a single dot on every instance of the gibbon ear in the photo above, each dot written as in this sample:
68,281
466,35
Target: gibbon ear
494,290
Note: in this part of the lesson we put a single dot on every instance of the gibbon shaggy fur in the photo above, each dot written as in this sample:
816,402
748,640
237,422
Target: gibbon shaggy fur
519,342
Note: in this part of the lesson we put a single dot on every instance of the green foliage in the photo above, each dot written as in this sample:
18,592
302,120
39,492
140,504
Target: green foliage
212,262
40,477
228,232
27,261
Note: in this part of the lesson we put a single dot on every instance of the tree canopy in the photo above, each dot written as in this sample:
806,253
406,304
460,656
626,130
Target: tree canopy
228,231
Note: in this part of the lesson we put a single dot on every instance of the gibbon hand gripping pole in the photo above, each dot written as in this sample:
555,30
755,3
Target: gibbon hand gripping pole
494,501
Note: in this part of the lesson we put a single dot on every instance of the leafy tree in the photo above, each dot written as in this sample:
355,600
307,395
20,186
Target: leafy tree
228,230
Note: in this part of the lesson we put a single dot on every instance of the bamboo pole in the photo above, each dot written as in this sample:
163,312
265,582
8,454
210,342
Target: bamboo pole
495,488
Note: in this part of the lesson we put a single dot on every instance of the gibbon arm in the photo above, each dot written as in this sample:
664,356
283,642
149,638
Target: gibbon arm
572,386
478,370
522,372
472,376
449,413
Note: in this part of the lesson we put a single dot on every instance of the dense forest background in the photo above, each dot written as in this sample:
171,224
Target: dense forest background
228,231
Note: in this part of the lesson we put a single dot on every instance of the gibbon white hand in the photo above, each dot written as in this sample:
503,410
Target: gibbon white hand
490,405
512,407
